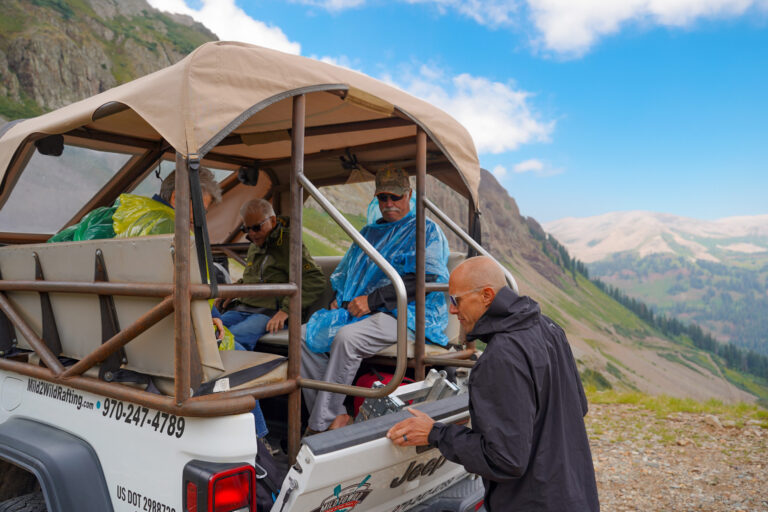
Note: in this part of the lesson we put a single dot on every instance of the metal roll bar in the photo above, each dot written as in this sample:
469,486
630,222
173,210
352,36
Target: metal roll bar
468,239
160,290
402,304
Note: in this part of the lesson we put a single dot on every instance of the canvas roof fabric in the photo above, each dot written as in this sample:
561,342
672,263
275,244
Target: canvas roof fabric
226,89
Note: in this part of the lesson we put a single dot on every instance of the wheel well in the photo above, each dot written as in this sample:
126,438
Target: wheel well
16,481
67,467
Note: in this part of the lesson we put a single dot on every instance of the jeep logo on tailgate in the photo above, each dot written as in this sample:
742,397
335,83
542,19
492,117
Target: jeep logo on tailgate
414,471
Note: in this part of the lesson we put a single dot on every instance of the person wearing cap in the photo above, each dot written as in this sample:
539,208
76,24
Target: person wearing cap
248,318
362,319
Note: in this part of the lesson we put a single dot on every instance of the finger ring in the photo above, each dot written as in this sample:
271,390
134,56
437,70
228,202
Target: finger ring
405,438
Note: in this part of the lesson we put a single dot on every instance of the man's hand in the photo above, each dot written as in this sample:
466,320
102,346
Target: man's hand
219,328
358,306
277,322
412,431
334,305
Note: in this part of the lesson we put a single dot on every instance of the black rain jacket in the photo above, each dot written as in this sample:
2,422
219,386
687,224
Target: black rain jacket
526,402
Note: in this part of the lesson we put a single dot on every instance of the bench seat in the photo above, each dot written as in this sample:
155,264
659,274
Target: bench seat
78,320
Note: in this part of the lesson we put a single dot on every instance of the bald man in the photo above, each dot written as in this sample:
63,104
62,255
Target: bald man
528,441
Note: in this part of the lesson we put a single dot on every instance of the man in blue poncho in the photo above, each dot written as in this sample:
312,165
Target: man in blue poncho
361,320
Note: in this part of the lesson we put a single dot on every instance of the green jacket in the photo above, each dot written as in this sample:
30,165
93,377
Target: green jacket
269,264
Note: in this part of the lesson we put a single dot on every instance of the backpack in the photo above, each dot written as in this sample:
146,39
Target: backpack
269,478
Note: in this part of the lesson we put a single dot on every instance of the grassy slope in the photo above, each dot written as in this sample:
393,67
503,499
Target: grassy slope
664,405
727,299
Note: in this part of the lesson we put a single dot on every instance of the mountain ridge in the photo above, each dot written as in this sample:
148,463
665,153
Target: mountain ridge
594,238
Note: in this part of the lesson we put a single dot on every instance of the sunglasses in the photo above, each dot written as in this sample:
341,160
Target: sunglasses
455,298
255,228
384,197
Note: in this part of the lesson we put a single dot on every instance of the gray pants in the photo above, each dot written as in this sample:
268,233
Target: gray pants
351,344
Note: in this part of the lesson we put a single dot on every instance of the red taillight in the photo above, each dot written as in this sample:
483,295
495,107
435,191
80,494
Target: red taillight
232,490
191,497
479,505
219,487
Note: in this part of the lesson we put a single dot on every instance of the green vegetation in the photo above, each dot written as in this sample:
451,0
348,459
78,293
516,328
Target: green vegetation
318,248
331,240
12,21
181,37
737,359
322,224
699,359
675,358
594,380
728,298
748,383
664,405
19,110
613,370
62,7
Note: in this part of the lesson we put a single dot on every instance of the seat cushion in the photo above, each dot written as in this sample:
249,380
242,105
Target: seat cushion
234,361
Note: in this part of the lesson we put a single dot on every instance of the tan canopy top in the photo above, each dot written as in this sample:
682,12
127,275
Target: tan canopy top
233,100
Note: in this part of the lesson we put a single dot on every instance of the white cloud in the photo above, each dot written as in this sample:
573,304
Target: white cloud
573,27
230,23
498,116
333,5
529,165
499,171
485,12
535,166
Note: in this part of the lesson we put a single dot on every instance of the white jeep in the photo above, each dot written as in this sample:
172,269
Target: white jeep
114,394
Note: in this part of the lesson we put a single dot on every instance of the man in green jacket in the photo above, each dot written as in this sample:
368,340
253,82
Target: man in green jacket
248,318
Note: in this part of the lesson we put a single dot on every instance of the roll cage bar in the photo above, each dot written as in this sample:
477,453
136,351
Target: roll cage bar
177,296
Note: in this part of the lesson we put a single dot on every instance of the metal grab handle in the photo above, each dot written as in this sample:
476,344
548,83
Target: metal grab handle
402,305
468,239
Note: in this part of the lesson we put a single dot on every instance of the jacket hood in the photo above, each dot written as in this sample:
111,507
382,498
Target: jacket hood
508,312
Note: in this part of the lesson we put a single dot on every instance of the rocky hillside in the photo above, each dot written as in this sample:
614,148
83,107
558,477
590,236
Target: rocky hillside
55,52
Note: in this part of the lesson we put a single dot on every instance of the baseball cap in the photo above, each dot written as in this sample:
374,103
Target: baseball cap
394,181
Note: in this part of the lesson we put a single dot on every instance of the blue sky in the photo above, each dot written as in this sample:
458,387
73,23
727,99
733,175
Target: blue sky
579,107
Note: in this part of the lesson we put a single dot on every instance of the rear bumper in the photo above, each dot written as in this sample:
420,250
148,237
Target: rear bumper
465,496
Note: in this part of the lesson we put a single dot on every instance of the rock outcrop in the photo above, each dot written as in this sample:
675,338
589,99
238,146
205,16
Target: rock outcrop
56,53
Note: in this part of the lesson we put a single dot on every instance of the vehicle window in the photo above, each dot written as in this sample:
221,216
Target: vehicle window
52,189
150,185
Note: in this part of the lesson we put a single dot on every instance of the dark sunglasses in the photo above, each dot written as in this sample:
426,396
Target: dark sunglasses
384,197
255,228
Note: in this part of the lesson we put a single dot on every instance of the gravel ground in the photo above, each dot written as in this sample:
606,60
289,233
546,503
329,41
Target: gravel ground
682,462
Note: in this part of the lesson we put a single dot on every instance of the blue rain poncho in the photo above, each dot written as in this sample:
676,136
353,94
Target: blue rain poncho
358,275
